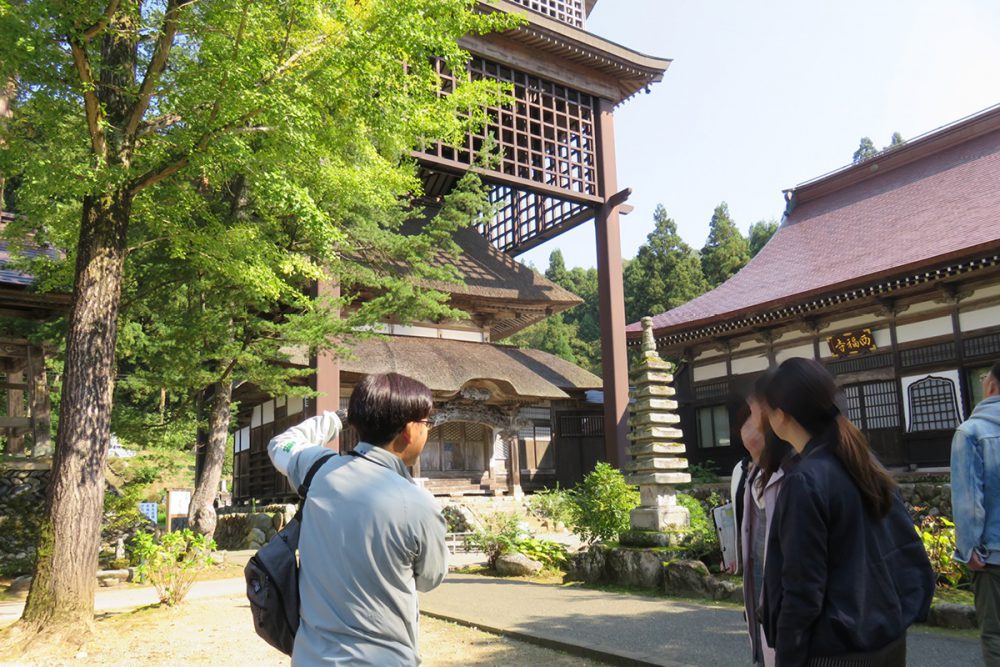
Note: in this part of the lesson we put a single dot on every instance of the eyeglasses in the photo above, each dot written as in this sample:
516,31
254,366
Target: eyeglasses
427,422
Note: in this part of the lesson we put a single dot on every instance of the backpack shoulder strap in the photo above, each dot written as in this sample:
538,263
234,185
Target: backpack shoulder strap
304,489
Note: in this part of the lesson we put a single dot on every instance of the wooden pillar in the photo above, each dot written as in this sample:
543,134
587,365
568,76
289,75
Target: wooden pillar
614,361
513,461
15,408
327,378
41,407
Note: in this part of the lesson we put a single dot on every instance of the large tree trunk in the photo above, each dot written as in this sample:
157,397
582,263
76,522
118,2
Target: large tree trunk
6,95
201,514
63,588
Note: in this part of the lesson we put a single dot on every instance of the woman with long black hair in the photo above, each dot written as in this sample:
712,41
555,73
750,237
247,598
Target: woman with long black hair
845,574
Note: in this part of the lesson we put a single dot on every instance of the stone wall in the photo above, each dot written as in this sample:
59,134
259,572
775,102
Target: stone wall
23,484
250,530
930,494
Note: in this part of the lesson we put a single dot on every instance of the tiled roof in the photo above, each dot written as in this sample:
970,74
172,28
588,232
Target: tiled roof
927,210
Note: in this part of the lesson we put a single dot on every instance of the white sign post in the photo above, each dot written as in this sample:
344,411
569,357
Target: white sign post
178,502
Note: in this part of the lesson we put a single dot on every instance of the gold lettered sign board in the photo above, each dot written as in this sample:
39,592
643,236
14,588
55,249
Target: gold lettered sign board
852,342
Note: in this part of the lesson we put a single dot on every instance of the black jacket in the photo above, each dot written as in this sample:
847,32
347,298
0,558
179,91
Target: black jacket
837,581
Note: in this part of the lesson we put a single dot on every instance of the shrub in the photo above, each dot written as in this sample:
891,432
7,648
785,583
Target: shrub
172,564
701,540
552,504
601,504
499,535
703,473
938,535
547,552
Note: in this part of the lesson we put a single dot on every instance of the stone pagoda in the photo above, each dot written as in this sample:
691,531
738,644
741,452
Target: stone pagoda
658,463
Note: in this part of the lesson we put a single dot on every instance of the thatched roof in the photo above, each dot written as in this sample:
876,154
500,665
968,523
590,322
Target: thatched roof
446,366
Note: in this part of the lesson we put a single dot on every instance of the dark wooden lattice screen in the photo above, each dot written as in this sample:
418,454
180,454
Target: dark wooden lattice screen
933,405
873,405
567,11
546,181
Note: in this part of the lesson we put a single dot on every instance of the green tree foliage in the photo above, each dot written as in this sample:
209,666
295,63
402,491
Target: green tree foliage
726,251
575,334
665,273
759,234
135,123
866,149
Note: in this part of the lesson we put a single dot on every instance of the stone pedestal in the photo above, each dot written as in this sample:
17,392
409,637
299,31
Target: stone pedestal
657,450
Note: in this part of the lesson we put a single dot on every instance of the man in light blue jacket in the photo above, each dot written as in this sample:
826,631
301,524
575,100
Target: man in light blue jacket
371,538
975,501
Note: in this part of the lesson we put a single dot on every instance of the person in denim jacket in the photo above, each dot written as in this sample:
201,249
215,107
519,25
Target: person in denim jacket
975,501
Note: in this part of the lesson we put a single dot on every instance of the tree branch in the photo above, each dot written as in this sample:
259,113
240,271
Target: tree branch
161,54
92,106
304,52
102,23
159,123
175,164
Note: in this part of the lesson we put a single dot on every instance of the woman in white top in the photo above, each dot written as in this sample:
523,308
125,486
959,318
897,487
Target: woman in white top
759,495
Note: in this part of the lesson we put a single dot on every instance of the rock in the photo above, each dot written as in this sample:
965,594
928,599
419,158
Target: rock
460,518
218,557
20,585
517,565
638,568
278,521
687,578
956,616
586,566
726,590
256,535
254,546
133,574
112,577
261,522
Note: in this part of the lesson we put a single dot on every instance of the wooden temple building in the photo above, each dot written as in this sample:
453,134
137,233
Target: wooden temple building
887,272
25,429
506,418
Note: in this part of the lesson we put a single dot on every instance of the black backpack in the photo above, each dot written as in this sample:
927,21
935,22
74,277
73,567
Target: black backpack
272,576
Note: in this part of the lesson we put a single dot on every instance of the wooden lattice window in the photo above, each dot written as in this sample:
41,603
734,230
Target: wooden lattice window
873,405
576,426
546,179
567,11
933,405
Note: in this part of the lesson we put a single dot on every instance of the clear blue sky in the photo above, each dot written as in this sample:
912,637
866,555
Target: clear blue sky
762,96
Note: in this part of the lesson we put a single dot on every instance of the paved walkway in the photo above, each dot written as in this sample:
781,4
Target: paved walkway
617,628
630,629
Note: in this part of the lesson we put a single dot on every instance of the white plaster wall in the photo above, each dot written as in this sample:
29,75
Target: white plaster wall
979,319
939,326
797,351
708,355
921,307
268,413
753,364
470,336
859,322
255,418
883,338
423,332
987,290
294,405
709,371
